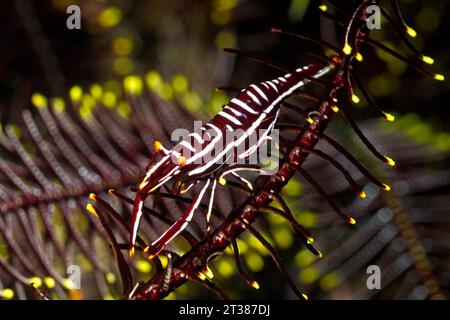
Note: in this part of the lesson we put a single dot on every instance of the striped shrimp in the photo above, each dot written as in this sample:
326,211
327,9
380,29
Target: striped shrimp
255,108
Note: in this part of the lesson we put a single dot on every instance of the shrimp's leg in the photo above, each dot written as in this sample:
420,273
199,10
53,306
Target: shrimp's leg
177,227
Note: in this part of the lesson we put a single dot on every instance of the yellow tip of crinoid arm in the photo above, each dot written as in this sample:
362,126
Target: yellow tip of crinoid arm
335,108
355,98
58,105
359,57
411,32
157,146
388,116
347,49
151,257
254,284
439,77
389,161
207,271
96,91
386,187
201,276
131,251
7,293
181,161
323,8
76,93
362,195
92,210
428,60
50,282
133,85
38,100
351,221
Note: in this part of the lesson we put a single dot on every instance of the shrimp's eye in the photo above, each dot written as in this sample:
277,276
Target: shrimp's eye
181,161
157,146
